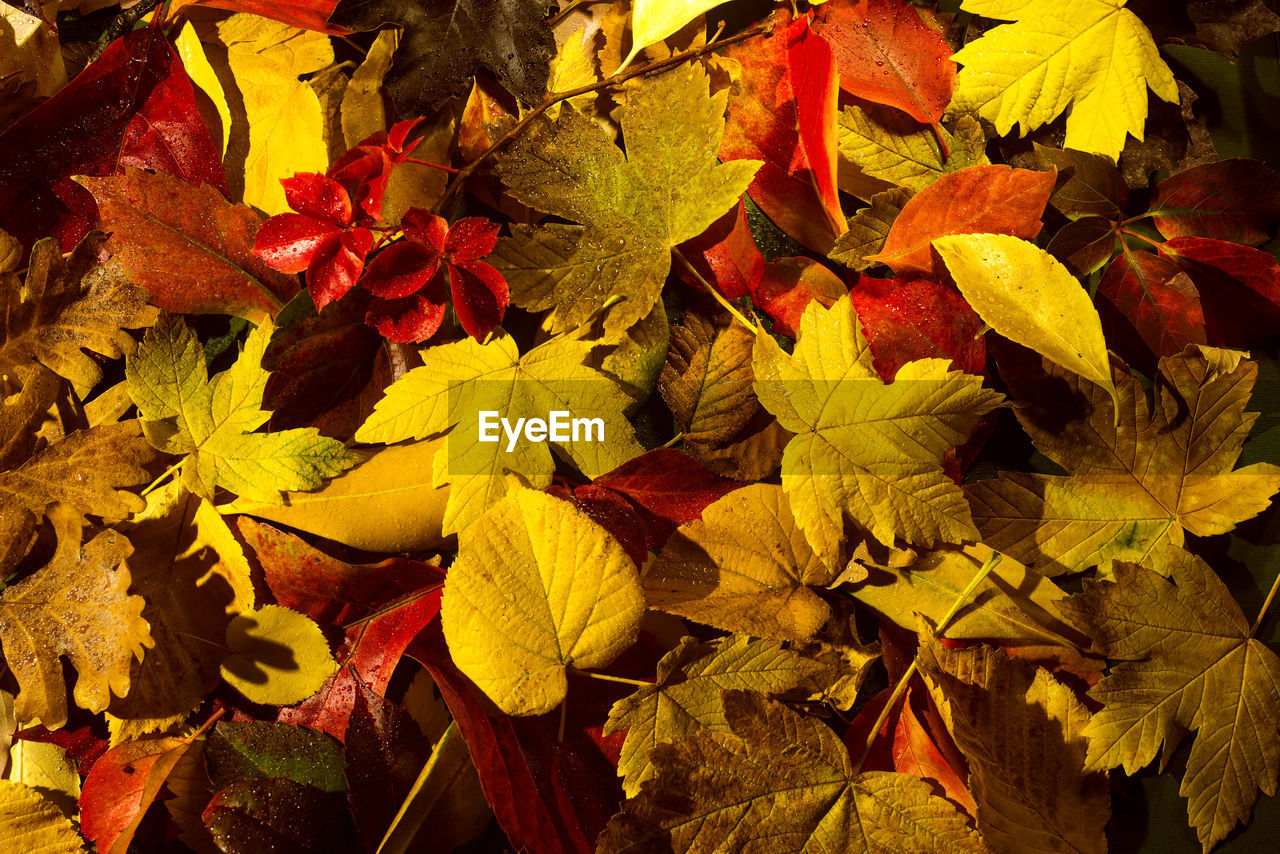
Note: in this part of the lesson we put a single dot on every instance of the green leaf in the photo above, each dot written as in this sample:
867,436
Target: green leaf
242,751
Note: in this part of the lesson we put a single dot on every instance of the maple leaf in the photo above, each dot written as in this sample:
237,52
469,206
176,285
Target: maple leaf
891,148
1136,484
1023,733
782,111
211,423
888,55
282,111
521,606
77,605
1185,660
444,43
193,575
459,380
867,450
778,780
1093,56
685,697
633,208
188,246
67,307
744,566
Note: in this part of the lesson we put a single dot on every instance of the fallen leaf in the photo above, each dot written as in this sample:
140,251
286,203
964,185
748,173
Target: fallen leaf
123,784
1154,297
277,657
384,752
868,229
1093,56
567,613
891,148
42,828
917,319
272,751
256,815
1233,200
77,605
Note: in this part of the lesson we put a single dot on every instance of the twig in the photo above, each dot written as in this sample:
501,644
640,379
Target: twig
554,98
121,24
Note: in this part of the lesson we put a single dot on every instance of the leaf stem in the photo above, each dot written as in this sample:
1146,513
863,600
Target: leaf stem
715,293
898,689
1271,597
164,475
439,166
553,98
1142,237
673,441
605,677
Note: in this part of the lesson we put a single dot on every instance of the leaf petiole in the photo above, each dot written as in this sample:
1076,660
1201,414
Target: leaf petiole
1262,613
709,288
164,475
605,677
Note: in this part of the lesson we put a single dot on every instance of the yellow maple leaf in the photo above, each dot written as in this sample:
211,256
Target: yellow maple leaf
1094,56
32,824
77,605
459,381
537,588
1185,660
283,117
867,450
1136,485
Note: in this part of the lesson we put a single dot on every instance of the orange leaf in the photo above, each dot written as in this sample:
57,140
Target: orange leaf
978,200
915,753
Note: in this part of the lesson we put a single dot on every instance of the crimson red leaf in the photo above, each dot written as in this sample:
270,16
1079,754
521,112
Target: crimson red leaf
725,255
1151,294
133,106
787,287
888,55
372,647
303,14
918,319
977,200
672,486
550,796
783,111
400,270
326,589
480,296
1239,287
1235,200
613,512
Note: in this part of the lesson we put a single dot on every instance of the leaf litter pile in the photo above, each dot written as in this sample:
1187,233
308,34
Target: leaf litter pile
902,498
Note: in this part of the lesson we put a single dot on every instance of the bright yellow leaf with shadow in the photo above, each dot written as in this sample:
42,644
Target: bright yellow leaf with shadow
197,66
283,114
1026,295
1093,56
278,657
31,824
538,587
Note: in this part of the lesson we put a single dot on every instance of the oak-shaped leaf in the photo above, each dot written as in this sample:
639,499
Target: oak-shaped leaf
1094,56
633,208
779,781
569,611
782,111
685,697
461,380
1184,660
445,42
1135,484
193,575
77,605
188,246
865,450
67,309
1023,734
211,423
745,566
888,55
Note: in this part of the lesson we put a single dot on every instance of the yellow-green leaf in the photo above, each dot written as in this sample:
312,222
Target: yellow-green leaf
285,123
1026,295
46,768
278,657
866,450
31,824
1184,660
537,587
888,146
212,422
1093,56
654,20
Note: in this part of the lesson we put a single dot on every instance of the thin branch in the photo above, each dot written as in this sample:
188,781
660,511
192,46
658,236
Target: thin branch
554,98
